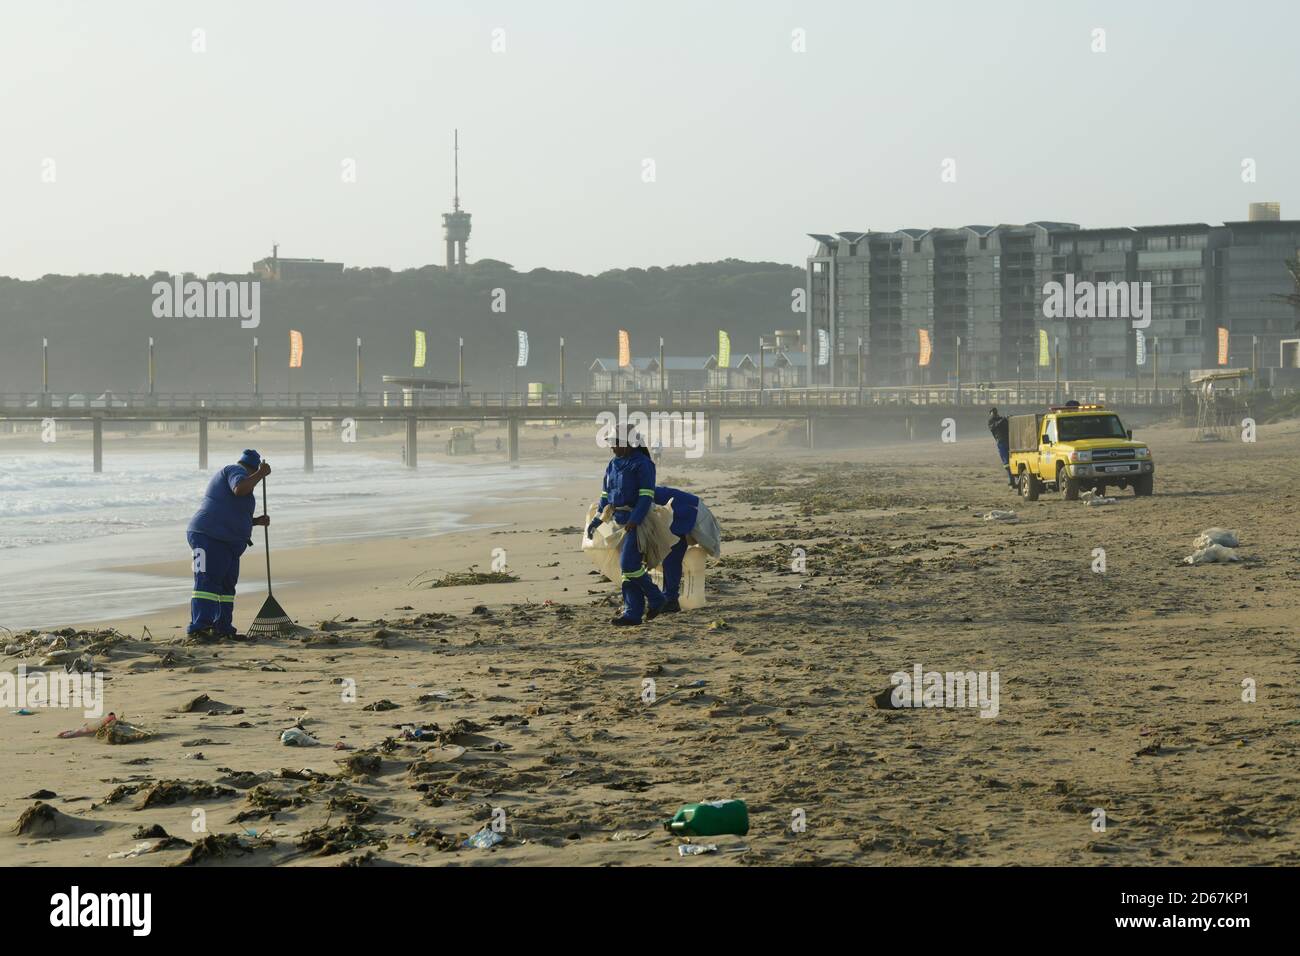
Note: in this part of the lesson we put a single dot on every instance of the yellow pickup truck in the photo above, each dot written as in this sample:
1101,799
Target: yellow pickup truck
1073,447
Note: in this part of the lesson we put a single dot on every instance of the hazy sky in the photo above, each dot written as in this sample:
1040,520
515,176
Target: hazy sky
167,158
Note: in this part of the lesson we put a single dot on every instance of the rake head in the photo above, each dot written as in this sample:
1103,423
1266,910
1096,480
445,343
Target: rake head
270,621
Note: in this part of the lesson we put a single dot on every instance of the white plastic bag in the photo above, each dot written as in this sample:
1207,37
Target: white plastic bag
1216,536
1210,554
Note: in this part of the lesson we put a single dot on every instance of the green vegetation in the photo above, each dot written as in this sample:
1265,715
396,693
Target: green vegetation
98,325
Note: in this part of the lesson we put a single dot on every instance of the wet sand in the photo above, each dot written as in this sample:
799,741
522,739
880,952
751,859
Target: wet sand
1119,692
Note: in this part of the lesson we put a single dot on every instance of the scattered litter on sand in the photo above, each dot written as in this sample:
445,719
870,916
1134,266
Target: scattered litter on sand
89,729
485,839
149,846
1216,536
120,731
293,737
218,846
1008,516
1094,501
696,849
1211,554
326,841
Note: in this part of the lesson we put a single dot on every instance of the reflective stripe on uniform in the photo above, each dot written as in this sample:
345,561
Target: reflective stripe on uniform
206,596
647,491
630,575
227,599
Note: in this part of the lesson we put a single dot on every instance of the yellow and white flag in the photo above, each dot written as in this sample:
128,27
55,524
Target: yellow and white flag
1044,349
926,350
624,349
724,349
1223,345
421,348
295,349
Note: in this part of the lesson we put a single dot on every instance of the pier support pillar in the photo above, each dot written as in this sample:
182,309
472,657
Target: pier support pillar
812,433
97,445
203,443
512,439
412,452
715,434
308,462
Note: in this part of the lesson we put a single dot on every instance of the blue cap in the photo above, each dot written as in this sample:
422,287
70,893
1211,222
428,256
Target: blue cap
251,458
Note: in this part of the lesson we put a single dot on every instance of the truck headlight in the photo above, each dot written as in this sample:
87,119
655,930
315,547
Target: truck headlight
1143,453
1080,456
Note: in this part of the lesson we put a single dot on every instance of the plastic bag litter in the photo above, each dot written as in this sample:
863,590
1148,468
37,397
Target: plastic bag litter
485,839
1009,516
707,533
654,537
1096,502
1211,554
293,737
1216,536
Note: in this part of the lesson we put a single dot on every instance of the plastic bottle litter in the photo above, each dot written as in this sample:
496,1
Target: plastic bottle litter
713,818
1095,502
1008,516
485,839
696,849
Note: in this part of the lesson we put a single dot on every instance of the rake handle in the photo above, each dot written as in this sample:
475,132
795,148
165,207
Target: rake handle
266,536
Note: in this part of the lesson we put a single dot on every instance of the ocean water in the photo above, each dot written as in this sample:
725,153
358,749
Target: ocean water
62,526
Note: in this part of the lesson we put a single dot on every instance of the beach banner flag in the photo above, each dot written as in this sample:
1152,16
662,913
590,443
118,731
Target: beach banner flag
624,349
1044,350
1223,345
926,349
823,347
421,348
295,349
1141,356
522,359
724,349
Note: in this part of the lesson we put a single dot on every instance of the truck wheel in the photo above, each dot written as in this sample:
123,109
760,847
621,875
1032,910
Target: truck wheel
1069,486
1028,486
1143,486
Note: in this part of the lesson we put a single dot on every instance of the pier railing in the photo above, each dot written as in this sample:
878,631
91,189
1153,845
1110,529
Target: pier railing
28,404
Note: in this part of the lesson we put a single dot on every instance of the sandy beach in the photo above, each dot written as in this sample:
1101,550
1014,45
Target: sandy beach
1120,692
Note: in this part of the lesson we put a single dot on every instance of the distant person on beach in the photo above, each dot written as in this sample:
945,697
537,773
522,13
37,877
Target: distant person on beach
1001,428
629,486
218,534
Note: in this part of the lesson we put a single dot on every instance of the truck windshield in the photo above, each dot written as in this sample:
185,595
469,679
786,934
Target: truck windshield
1075,427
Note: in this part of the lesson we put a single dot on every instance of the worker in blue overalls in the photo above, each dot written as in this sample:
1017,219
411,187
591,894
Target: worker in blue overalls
218,534
686,509
629,486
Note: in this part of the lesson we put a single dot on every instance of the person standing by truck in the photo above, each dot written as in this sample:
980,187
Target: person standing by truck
999,426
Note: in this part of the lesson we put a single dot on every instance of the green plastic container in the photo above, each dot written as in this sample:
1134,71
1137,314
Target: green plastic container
710,819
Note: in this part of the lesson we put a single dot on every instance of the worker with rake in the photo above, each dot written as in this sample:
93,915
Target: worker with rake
218,534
